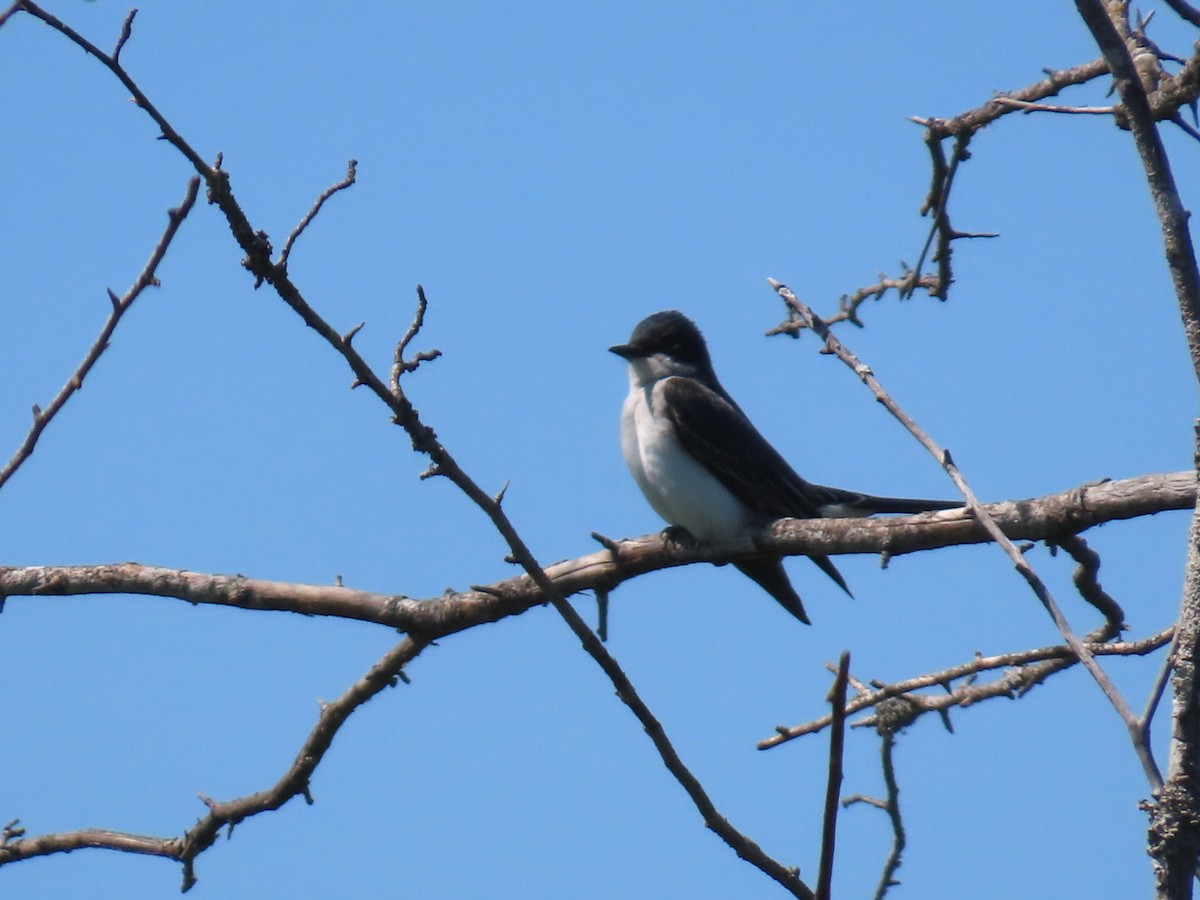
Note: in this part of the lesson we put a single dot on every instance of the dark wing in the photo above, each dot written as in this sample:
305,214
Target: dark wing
715,431
719,435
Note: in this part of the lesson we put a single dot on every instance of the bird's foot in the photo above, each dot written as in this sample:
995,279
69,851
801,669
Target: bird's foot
680,537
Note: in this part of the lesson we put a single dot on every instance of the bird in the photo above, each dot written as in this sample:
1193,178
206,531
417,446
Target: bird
706,469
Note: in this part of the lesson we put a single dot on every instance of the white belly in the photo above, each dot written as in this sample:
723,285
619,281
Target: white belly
680,489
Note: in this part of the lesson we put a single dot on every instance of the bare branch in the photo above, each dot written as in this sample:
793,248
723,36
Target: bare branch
1174,818
351,174
833,345
424,440
401,366
126,32
936,204
7,14
120,306
1047,107
295,782
886,726
67,841
1052,517
113,65
1185,11
1027,668
833,783
975,119
1169,92
892,807
848,304
1085,578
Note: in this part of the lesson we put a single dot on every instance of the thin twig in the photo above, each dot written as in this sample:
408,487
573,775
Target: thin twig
848,304
1178,122
169,134
400,365
1023,673
120,306
937,203
222,815
351,173
833,782
1047,107
126,32
892,806
7,14
985,519
1157,691
1185,11
1088,584
295,782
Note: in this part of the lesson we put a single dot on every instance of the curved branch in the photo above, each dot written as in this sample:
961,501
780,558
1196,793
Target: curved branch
220,815
1047,518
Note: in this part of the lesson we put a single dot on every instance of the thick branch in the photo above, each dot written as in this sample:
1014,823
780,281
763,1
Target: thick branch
1175,818
1046,518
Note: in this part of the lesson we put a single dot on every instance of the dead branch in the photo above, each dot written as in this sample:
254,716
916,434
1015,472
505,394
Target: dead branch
1052,517
974,507
258,262
202,835
351,175
833,781
120,306
1175,817
1025,670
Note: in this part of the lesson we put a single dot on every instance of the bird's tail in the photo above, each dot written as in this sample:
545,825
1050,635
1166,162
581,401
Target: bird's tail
906,504
838,502
771,577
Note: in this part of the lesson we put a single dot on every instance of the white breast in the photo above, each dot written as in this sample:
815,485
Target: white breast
680,489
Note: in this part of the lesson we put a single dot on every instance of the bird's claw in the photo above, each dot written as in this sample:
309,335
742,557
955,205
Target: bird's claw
680,537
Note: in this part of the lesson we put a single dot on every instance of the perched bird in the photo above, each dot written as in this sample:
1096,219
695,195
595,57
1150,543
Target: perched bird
705,468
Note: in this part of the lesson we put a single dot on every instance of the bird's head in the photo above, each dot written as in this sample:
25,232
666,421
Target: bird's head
666,343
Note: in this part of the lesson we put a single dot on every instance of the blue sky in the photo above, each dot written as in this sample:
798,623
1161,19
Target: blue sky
552,173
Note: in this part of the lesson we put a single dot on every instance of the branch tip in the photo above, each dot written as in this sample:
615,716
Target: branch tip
498,499
126,31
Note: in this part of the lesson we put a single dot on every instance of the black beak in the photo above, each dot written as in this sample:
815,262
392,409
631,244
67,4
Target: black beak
626,351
